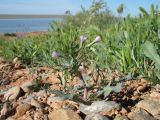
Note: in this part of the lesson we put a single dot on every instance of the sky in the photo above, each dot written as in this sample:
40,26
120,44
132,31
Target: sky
60,6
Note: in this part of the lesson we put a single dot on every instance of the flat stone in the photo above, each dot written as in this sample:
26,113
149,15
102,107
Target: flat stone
140,114
150,105
64,114
13,93
99,107
96,117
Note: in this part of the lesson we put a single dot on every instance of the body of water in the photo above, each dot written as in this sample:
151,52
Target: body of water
25,25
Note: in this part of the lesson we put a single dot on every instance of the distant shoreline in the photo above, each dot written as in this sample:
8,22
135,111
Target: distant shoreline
7,16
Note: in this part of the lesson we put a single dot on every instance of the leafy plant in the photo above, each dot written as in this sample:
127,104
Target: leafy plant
72,63
108,89
150,51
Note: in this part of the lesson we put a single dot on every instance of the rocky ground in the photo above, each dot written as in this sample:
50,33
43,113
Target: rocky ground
21,98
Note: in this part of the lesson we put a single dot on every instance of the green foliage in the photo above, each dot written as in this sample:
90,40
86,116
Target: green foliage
9,34
120,9
37,86
108,89
150,51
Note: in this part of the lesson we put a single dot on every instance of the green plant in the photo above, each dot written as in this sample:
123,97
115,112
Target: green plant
150,51
108,89
72,62
37,85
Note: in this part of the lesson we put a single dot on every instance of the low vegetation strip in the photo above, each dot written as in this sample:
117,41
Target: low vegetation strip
7,16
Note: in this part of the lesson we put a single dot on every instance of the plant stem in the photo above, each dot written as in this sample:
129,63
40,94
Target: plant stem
85,93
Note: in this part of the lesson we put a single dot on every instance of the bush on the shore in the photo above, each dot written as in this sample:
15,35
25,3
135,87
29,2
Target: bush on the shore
10,34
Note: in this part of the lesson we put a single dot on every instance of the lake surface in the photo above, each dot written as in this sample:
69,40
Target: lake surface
25,25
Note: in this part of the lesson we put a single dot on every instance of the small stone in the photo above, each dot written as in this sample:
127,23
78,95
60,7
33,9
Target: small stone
155,96
41,93
1,60
99,107
64,114
26,86
20,73
53,99
14,93
53,79
119,117
5,109
36,104
150,105
71,105
96,117
123,111
15,60
29,98
11,118
142,88
22,109
157,87
143,80
43,97
140,114
40,116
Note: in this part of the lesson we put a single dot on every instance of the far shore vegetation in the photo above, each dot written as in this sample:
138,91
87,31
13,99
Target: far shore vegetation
14,16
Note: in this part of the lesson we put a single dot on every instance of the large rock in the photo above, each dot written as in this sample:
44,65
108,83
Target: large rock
99,107
96,117
140,114
64,114
150,105
13,93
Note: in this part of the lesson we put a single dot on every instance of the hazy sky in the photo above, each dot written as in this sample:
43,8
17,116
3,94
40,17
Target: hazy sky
60,6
